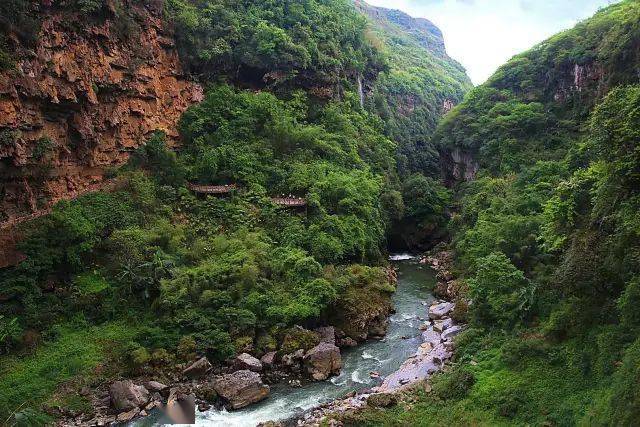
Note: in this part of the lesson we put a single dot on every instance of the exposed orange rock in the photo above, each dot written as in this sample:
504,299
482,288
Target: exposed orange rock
95,96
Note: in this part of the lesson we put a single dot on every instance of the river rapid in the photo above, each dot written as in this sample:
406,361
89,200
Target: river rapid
411,300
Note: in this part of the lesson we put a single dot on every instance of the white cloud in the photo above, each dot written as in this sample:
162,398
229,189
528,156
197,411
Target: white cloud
484,34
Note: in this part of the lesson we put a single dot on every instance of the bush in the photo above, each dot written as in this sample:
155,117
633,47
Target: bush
625,401
298,338
500,292
453,385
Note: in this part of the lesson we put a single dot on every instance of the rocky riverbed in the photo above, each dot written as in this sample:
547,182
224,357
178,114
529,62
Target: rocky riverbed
435,351
306,386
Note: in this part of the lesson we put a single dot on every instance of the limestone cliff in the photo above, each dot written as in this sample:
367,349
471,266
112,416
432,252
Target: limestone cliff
80,101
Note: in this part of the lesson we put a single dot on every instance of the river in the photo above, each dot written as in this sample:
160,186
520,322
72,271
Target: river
411,302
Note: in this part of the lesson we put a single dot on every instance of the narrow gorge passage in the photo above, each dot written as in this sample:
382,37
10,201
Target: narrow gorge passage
411,301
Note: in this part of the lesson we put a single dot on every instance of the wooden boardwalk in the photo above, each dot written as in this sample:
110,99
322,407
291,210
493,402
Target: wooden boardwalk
213,189
293,202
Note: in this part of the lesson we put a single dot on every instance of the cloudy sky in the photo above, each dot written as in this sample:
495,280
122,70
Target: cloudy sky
484,34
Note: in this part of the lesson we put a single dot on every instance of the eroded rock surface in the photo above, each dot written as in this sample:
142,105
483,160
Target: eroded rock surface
322,361
241,388
88,96
126,396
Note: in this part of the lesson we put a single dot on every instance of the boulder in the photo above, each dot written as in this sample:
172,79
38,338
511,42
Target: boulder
293,358
451,332
125,395
128,416
347,342
431,336
438,311
323,361
268,359
241,388
327,334
442,325
197,369
155,386
247,361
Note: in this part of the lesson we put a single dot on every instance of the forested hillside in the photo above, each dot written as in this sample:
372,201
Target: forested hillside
547,237
420,84
135,280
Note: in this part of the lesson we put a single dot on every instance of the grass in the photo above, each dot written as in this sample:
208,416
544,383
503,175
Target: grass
75,355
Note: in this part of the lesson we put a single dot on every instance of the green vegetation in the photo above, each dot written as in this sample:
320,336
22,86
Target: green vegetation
136,279
547,238
310,43
216,275
410,95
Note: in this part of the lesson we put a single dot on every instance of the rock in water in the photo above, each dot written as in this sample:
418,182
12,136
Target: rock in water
128,416
323,361
241,388
247,361
197,369
438,311
125,395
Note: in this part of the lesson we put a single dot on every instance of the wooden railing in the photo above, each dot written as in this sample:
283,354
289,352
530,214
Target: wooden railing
289,201
212,189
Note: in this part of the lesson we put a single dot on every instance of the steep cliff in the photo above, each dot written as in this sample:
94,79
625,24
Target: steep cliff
79,101
421,84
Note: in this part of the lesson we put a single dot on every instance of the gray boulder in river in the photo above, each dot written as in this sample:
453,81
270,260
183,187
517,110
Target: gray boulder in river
125,395
438,311
323,361
241,388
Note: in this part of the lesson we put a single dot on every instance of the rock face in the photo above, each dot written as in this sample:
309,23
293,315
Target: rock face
247,361
241,388
126,396
197,369
323,361
89,96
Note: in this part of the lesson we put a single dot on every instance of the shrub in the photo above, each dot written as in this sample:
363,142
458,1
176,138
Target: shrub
500,292
454,384
186,350
299,338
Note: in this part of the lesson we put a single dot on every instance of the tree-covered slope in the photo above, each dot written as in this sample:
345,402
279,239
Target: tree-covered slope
140,277
421,84
547,237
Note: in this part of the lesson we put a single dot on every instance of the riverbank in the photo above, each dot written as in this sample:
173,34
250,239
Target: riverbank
438,332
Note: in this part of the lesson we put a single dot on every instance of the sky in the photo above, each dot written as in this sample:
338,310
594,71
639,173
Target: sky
484,34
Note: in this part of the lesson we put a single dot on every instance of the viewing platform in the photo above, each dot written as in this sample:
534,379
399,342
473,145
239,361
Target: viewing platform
213,189
293,202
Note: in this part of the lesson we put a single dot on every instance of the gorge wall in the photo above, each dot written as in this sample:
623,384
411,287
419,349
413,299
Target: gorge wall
80,101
